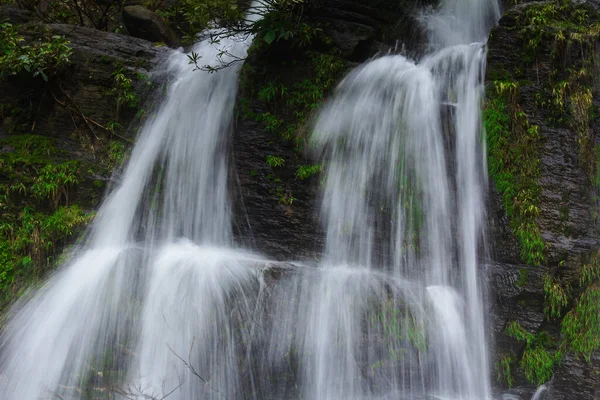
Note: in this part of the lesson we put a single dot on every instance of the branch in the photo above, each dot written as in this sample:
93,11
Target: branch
193,370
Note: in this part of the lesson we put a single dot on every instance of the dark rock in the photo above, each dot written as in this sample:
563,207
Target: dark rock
85,84
575,379
15,15
567,206
145,24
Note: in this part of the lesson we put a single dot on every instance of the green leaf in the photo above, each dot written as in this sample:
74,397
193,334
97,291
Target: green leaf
269,37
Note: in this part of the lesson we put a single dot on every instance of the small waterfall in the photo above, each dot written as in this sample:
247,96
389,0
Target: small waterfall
404,196
158,277
159,302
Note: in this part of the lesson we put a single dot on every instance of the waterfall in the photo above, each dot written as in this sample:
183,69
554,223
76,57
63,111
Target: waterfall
159,301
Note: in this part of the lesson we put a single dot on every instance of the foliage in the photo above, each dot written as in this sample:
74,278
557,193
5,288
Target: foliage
43,58
116,153
281,22
503,370
193,16
123,90
523,277
555,297
275,162
536,362
514,165
399,328
581,325
590,271
306,171
26,241
300,99
89,13
53,182
581,104
35,214
285,197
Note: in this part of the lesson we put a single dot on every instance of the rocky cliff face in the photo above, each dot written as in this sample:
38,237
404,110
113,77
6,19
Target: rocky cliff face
542,64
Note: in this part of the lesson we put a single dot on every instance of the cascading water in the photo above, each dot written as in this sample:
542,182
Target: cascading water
398,306
158,276
159,303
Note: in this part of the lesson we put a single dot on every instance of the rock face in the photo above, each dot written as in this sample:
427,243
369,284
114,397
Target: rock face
567,221
265,219
145,24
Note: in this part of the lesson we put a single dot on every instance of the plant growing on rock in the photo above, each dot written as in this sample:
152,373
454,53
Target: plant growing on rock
43,58
514,165
536,362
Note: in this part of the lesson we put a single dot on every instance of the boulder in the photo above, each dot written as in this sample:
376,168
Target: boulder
145,24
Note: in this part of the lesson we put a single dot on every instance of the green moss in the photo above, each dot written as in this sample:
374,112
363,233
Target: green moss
596,179
514,165
523,277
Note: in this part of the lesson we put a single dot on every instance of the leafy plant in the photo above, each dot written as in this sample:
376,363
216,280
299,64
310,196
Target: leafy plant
123,90
514,165
306,171
53,182
536,362
43,59
555,297
503,370
581,325
275,162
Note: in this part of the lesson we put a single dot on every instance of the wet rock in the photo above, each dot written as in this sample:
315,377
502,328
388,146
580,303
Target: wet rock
567,206
13,14
576,379
84,87
145,24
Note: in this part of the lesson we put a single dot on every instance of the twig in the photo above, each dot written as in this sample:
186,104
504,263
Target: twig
193,370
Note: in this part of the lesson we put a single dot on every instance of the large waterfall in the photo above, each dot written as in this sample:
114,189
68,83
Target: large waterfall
159,301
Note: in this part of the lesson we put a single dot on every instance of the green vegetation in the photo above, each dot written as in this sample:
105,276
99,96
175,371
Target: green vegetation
123,91
523,277
536,362
503,370
581,325
306,171
190,17
291,105
275,162
101,15
399,329
36,214
565,29
44,58
514,164
555,297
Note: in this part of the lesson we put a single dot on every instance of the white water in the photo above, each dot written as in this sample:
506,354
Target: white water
159,303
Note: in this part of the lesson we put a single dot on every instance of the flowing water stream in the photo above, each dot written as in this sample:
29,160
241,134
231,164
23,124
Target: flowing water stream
160,302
